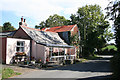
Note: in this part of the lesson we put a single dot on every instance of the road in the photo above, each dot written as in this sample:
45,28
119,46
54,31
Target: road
92,69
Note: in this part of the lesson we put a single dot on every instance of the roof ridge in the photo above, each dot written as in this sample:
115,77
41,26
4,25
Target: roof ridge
64,25
36,29
60,28
31,28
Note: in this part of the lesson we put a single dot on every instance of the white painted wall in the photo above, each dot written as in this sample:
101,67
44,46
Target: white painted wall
11,48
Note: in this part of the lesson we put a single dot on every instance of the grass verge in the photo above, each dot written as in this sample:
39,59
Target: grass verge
93,57
8,72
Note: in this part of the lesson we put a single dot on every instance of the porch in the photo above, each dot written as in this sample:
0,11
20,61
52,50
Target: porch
60,53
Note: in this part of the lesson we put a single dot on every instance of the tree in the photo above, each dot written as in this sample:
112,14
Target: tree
113,12
92,25
0,28
53,21
8,27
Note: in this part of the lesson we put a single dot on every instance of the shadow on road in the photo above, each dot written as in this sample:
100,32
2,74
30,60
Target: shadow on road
98,65
108,77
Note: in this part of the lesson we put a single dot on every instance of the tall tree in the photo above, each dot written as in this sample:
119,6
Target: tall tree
113,12
8,27
92,25
53,21
0,28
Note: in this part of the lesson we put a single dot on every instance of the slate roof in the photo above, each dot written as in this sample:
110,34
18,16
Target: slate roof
7,34
45,38
59,28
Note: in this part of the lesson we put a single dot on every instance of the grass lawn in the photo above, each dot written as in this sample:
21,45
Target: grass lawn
8,72
110,47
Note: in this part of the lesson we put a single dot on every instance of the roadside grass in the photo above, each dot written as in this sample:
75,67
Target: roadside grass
8,72
109,47
93,57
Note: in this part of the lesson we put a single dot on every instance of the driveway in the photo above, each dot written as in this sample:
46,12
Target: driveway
92,69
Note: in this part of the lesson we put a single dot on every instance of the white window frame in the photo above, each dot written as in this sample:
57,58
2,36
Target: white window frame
20,46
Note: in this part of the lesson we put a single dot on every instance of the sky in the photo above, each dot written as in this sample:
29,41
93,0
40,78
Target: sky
35,11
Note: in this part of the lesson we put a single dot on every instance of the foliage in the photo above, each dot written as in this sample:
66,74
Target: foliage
8,27
115,66
67,62
7,72
92,25
113,12
108,50
0,28
52,21
94,57
117,32
108,35
109,47
113,9
74,40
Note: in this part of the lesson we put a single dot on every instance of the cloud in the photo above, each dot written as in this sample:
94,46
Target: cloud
40,10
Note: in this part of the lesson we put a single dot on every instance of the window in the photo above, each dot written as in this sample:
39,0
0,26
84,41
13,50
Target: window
20,46
50,51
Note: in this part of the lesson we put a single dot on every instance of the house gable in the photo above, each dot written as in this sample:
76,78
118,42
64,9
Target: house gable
74,30
20,33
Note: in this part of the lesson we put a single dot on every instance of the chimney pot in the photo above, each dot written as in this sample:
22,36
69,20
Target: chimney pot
22,19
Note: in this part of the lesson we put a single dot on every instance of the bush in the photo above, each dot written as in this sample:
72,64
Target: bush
67,62
115,66
108,50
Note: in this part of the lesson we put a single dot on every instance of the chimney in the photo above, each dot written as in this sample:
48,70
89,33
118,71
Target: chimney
21,23
24,20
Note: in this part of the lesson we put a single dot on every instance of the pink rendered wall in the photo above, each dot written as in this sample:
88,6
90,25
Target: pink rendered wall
11,48
41,52
71,50
34,49
38,51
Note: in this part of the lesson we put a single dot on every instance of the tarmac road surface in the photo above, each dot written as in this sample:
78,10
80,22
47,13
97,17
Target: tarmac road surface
92,69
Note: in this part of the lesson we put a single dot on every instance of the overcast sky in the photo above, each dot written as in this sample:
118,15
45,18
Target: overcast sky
36,11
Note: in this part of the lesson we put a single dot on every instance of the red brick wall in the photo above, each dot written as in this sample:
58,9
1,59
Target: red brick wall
75,31
3,42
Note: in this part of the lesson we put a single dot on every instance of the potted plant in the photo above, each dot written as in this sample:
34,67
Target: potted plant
20,53
33,60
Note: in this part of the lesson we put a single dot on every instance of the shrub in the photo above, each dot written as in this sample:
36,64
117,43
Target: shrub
115,66
108,50
67,62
